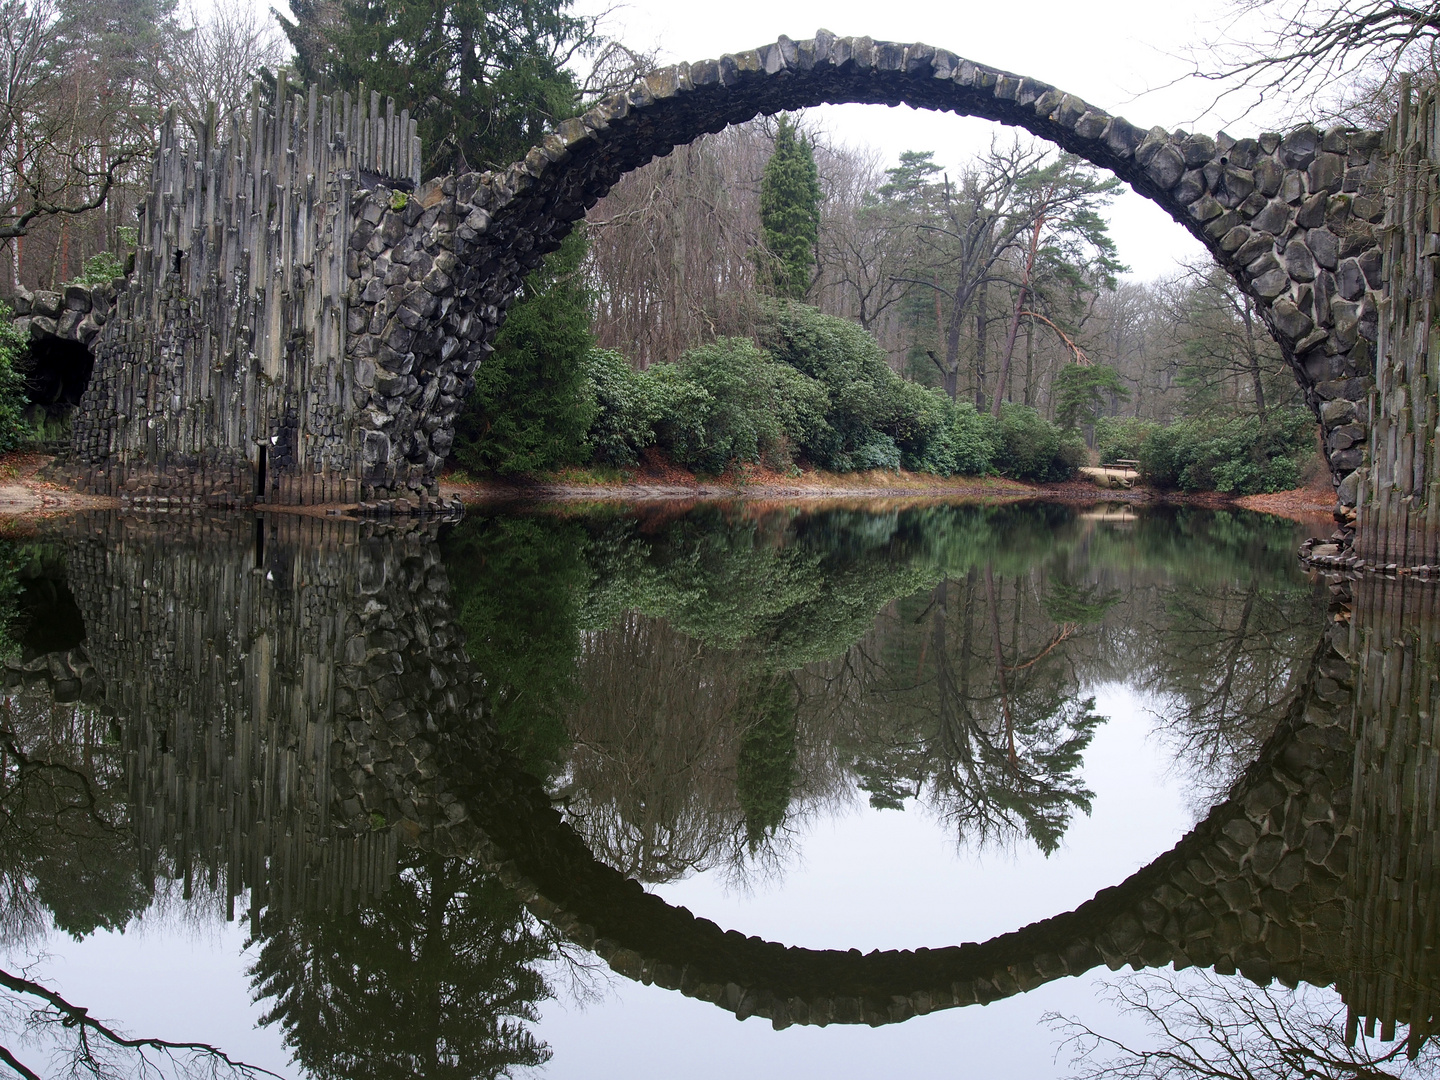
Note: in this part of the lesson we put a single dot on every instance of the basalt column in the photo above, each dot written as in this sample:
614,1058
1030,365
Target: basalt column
224,375
1399,490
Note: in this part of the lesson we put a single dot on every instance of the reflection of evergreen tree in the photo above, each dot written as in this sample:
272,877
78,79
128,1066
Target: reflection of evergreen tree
765,771
972,706
434,979
518,585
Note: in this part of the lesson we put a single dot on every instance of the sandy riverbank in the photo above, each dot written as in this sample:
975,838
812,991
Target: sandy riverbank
23,494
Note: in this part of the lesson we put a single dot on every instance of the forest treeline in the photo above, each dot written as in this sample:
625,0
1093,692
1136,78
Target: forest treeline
764,295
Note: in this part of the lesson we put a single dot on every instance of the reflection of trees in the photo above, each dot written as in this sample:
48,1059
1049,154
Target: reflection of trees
685,754
518,585
436,978
966,690
972,706
1212,1027
80,1045
65,847
1222,656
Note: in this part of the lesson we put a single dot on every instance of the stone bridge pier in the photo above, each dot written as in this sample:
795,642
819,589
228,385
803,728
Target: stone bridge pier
295,702
306,315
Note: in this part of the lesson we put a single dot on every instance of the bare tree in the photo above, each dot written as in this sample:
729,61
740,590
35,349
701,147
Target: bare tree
1298,51
217,58
1212,1027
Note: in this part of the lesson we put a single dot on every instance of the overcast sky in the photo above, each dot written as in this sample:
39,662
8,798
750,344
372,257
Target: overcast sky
1124,57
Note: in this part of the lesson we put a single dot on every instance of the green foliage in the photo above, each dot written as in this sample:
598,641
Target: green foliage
533,402
1027,447
100,269
485,79
628,404
1081,392
1119,438
13,429
736,420
819,390
790,199
1240,455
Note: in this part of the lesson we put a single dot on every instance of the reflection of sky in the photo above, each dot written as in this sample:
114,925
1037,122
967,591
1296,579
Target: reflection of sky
863,879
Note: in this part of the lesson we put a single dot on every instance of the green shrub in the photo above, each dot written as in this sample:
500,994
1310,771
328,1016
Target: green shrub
100,269
13,429
628,402
1121,437
965,446
864,399
1240,455
1028,447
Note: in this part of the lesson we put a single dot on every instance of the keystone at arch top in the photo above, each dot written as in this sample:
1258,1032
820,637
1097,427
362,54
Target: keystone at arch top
305,315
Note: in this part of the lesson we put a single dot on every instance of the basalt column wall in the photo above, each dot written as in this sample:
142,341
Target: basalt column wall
1393,913
222,376
1397,494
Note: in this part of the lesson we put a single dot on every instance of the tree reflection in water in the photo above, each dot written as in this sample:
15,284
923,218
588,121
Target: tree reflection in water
725,676
439,977
1214,1027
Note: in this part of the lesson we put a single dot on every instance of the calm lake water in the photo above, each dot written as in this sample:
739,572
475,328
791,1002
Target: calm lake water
566,792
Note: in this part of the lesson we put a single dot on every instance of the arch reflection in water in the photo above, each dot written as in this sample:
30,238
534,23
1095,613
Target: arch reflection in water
300,717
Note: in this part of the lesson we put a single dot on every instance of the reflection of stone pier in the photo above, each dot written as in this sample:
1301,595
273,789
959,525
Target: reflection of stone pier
253,665
1393,921
295,704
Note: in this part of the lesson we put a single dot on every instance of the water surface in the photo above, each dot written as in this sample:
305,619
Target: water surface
568,792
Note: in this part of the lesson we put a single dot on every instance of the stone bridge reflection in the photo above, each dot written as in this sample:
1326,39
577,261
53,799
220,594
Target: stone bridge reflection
295,703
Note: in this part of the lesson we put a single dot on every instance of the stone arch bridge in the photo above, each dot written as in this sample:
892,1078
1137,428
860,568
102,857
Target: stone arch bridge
305,316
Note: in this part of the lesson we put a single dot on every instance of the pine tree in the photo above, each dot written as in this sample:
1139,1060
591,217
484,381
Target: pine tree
485,79
790,212
532,405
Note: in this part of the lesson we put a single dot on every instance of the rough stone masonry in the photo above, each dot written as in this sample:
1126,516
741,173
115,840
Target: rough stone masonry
305,316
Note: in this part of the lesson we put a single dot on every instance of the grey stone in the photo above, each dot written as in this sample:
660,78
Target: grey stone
1299,263
1274,219
1370,264
1326,173
1350,279
1312,211
1166,167
1324,246
1298,148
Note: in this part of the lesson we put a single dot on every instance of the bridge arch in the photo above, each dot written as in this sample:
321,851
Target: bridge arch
1292,218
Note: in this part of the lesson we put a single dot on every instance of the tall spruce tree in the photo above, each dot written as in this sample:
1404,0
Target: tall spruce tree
532,405
485,79
790,212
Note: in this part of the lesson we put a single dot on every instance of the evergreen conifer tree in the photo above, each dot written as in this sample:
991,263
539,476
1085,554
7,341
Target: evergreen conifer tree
485,79
790,212
532,405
